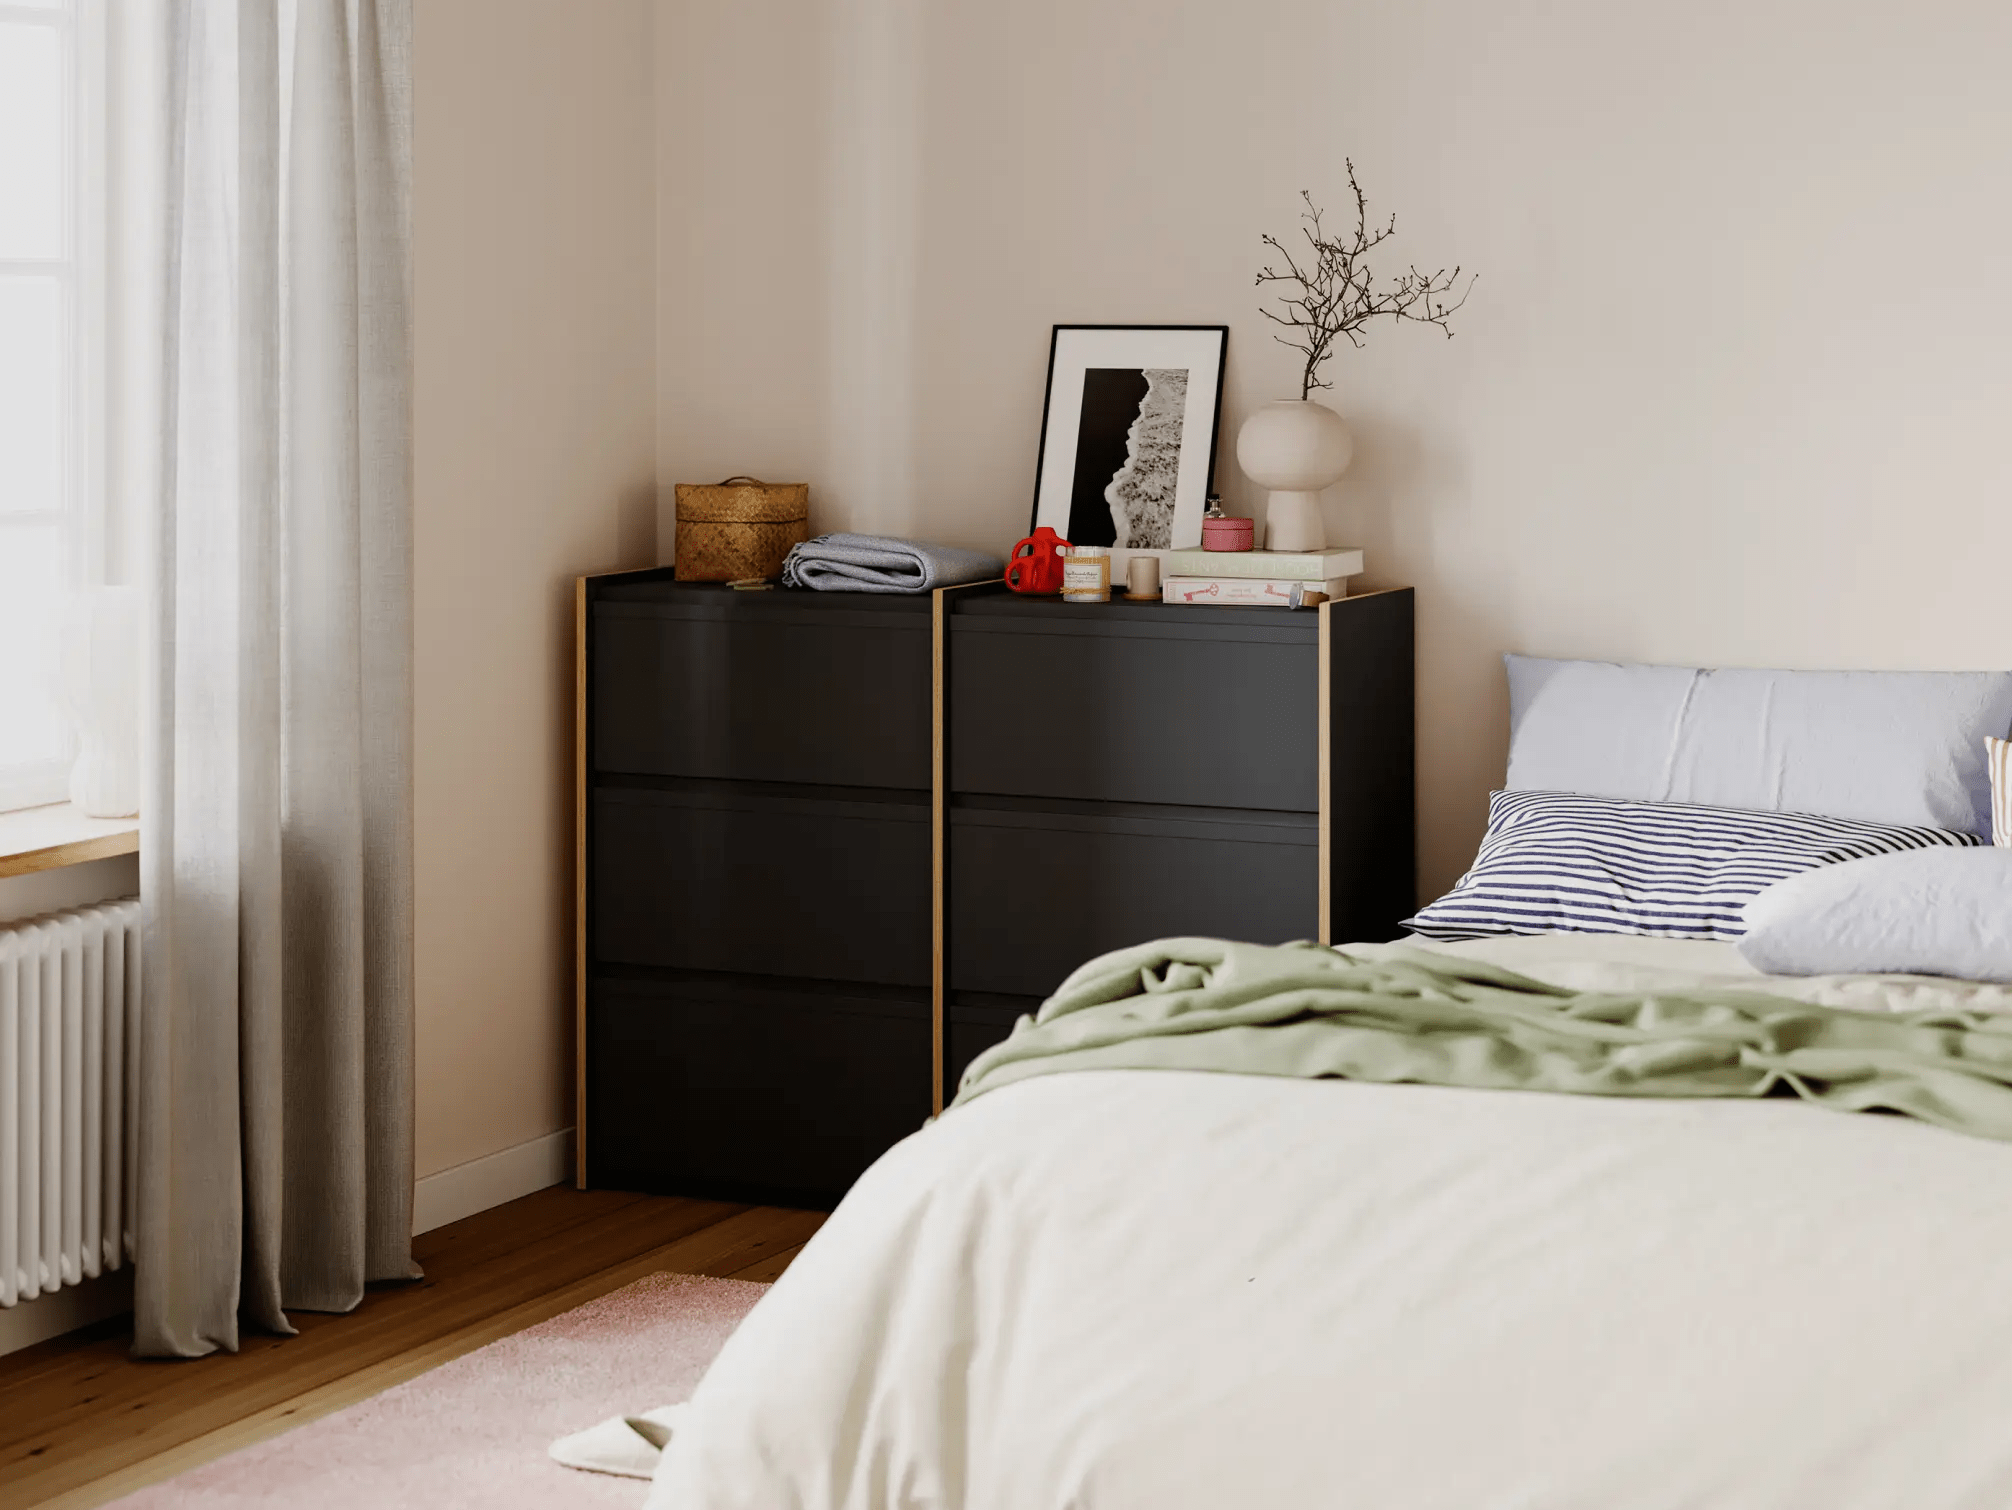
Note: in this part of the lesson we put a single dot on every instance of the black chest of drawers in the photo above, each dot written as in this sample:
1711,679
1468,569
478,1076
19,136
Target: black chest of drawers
832,845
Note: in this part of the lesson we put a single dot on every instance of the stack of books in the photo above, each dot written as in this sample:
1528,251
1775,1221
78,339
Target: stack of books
1243,579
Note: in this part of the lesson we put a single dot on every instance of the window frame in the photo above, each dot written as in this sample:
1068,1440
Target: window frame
78,271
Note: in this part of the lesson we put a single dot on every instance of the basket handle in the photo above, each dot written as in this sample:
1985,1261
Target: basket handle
732,480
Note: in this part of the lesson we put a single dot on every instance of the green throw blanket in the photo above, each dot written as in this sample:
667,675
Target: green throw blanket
1388,1013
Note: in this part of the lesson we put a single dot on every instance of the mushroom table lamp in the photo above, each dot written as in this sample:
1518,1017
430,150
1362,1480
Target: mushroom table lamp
1296,449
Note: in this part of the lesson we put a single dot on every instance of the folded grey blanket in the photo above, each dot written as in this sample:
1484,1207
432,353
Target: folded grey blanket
880,563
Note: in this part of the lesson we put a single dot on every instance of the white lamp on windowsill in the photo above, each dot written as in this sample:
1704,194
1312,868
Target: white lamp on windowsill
99,684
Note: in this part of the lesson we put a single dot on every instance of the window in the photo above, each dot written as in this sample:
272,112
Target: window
48,474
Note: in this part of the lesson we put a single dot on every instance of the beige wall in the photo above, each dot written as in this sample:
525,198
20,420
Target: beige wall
1731,389
535,419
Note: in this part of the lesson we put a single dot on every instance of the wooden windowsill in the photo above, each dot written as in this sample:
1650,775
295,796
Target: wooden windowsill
48,838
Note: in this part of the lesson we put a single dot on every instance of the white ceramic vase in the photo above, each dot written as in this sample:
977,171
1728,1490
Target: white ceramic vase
1297,449
99,683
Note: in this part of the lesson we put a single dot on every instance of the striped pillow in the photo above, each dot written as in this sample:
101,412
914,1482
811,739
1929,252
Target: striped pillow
1998,755
1555,862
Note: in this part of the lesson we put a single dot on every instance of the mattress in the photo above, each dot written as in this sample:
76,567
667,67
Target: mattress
1171,1290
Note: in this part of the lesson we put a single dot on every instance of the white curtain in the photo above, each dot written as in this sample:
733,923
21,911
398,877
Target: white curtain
259,300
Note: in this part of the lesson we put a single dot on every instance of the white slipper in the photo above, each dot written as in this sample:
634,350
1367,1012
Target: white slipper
625,1445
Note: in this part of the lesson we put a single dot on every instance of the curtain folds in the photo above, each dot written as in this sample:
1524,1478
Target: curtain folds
261,287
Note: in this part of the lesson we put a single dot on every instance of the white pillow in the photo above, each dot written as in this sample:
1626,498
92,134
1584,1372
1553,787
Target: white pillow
1900,747
1926,912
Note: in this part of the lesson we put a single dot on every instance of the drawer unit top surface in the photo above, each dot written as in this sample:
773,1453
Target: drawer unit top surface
717,600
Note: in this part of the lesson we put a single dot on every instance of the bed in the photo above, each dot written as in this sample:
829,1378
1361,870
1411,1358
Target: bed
1168,1290
1117,1289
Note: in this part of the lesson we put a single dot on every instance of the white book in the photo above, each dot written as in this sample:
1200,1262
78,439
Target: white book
1247,592
1285,566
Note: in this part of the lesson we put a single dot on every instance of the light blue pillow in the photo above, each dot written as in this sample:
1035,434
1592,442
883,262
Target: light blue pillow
1903,747
1927,912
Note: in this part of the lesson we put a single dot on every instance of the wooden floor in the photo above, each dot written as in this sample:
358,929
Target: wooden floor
82,1423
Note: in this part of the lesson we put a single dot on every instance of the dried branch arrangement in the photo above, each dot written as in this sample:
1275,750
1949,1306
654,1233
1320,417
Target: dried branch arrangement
1335,293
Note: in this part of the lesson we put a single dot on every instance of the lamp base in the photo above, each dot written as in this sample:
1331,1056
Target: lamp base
1293,522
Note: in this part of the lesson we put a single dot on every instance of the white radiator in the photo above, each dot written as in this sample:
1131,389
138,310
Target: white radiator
69,1041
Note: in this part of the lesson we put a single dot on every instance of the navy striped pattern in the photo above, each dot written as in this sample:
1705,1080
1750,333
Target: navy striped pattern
1555,862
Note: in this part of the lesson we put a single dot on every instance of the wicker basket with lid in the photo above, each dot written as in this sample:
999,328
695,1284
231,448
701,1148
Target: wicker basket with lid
743,527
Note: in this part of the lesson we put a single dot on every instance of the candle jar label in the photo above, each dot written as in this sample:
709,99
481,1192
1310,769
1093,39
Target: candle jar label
1086,575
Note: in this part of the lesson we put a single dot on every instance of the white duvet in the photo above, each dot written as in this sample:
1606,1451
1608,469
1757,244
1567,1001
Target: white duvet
1157,1290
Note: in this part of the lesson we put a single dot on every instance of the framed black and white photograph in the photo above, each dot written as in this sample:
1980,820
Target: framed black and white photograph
1128,437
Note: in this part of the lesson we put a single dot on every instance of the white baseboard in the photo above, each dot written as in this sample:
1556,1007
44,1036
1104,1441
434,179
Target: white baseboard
28,1322
491,1180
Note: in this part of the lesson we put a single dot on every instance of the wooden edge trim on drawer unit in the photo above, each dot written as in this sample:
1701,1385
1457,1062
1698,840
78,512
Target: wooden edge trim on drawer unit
580,786
1324,769
939,819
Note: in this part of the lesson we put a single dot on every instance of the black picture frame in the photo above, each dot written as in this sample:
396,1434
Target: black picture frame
1110,377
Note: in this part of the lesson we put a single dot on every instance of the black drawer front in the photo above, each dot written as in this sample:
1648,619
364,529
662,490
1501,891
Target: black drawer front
710,880
733,1090
969,1031
1223,720
818,698
1034,895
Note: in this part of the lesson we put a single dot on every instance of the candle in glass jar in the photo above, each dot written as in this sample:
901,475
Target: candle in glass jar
1086,574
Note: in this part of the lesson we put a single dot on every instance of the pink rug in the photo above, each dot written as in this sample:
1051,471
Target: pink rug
474,1432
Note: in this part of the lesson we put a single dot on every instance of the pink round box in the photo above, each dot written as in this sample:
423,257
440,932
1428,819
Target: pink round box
1228,535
